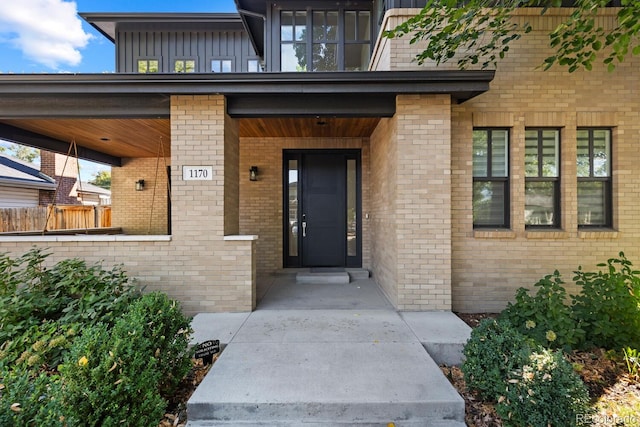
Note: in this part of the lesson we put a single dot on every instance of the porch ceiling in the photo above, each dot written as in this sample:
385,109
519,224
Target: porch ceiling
131,137
122,137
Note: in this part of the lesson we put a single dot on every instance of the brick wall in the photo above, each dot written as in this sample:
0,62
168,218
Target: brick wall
488,266
261,202
140,212
383,224
411,186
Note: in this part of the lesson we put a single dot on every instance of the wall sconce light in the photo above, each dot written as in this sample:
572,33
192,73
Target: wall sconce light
140,185
253,173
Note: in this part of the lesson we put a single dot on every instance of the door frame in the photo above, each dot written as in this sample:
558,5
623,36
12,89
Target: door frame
299,155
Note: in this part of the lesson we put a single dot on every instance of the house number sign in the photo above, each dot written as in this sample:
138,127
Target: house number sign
197,173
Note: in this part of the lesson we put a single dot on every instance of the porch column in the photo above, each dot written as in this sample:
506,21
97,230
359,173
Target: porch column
423,202
219,266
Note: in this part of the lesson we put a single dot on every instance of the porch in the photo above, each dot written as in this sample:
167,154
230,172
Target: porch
204,239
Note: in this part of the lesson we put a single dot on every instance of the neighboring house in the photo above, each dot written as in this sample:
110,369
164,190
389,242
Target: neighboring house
90,194
454,188
21,183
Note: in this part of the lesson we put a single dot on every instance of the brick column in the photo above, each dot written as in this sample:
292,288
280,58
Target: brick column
218,269
423,202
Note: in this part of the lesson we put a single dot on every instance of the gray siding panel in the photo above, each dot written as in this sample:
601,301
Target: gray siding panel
203,46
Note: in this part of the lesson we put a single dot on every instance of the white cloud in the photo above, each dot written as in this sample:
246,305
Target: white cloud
46,31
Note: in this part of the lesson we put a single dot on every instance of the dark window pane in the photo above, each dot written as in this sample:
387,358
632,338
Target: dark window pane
301,26
319,26
350,30
325,57
550,151
286,26
601,153
480,153
352,235
293,57
583,153
356,57
592,202
539,203
332,26
364,25
531,153
489,203
293,207
499,153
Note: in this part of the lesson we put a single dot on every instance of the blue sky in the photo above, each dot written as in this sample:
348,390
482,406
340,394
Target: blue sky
48,36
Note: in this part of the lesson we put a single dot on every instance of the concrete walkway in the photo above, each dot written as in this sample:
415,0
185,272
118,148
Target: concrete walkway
328,355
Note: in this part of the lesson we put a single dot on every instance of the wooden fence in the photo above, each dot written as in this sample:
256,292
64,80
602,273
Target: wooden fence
61,217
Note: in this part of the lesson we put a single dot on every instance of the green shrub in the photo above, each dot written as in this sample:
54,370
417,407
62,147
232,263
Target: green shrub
120,376
494,349
70,292
608,305
544,392
167,330
545,317
29,401
111,378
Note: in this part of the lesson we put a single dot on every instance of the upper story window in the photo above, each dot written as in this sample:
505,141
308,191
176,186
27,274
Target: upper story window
184,66
325,40
148,65
491,178
254,66
221,65
542,178
594,178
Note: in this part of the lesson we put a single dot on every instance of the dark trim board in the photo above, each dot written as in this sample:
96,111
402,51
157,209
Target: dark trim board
338,105
25,137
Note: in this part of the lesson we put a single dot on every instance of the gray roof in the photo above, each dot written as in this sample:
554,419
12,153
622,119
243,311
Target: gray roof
17,173
87,187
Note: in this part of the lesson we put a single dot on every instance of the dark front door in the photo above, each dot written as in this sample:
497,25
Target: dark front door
322,204
323,211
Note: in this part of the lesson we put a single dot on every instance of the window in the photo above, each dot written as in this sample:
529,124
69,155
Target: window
253,66
221,65
542,178
325,40
491,178
594,178
293,38
148,66
357,40
184,66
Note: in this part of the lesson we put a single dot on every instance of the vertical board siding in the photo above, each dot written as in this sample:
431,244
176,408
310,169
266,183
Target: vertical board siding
171,45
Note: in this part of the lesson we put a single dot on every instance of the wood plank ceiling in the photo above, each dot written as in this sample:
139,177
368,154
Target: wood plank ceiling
132,137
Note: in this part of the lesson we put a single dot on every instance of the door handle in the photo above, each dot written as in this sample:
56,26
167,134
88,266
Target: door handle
304,228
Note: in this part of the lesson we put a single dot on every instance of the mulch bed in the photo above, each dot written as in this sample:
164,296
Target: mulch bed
606,378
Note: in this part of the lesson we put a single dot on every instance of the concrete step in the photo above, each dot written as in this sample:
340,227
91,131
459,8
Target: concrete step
449,423
322,277
336,383
442,333
357,273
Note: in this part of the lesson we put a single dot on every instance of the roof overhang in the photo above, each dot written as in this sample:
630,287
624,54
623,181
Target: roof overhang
254,14
108,23
46,97
147,95
23,183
